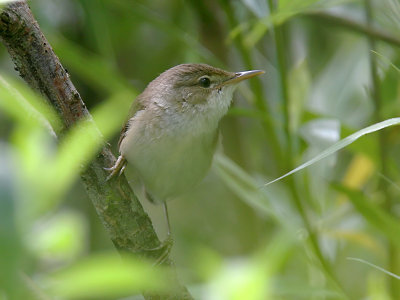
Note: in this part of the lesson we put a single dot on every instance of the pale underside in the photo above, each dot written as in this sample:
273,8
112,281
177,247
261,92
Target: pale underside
168,165
171,158
171,135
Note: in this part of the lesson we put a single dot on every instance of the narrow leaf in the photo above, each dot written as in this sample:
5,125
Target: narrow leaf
374,266
386,60
340,145
373,214
106,276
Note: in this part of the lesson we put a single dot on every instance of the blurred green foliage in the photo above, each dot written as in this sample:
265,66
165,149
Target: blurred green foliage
235,237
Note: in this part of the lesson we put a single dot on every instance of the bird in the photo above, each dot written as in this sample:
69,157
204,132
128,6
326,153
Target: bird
171,131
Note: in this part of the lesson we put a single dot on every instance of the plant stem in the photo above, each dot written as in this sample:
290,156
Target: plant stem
383,141
354,26
261,103
284,91
282,68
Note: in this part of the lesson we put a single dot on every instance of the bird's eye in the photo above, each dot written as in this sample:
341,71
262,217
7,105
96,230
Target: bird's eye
205,82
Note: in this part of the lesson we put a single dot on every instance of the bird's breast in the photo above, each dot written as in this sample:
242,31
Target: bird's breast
169,162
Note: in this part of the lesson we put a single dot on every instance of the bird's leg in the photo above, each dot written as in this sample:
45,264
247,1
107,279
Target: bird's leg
168,242
167,218
117,168
166,245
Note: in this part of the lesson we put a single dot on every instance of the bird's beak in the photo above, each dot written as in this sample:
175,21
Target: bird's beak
239,76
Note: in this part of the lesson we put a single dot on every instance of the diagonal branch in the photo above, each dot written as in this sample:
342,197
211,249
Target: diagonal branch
355,26
121,213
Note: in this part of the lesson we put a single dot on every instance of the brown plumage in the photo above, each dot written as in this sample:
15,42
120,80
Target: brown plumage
172,128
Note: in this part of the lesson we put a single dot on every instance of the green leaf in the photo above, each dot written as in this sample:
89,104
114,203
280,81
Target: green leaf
41,160
25,106
85,139
60,237
106,275
241,183
92,67
374,214
340,145
286,10
386,60
299,81
251,192
251,278
375,267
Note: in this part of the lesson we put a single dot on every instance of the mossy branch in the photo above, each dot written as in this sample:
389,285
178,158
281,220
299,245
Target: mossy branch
128,226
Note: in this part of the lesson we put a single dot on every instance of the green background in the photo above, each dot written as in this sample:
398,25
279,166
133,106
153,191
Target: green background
313,235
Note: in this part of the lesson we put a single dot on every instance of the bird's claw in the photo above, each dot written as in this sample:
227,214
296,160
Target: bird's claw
166,247
117,168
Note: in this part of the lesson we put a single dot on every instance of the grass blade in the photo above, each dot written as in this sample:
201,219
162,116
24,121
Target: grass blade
375,267
340,145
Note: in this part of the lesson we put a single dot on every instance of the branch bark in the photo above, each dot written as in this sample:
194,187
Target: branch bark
128,226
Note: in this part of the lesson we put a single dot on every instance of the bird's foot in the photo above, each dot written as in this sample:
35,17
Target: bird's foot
117,169
165,250
167,244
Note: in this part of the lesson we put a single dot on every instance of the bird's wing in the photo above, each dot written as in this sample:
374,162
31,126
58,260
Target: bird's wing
136,106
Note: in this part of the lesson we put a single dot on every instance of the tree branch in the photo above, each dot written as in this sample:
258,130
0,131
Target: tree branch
121,213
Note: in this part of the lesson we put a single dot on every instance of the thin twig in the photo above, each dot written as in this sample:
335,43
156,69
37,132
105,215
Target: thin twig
354,26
